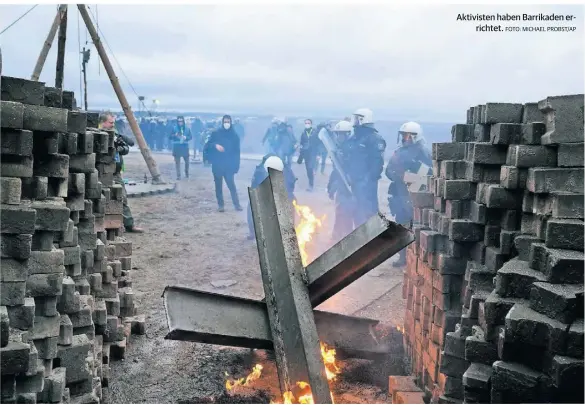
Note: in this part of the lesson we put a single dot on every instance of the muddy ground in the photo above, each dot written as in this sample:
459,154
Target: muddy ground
188,242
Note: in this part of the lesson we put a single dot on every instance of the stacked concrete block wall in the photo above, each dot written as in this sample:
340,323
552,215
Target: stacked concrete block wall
494,281
60,268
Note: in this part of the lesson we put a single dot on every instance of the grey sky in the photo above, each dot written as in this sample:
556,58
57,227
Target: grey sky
403,62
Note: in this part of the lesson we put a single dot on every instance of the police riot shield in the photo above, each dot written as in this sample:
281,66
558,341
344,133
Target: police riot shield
332,149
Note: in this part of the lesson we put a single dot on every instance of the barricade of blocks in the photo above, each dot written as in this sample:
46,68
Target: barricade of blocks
494,281
57,326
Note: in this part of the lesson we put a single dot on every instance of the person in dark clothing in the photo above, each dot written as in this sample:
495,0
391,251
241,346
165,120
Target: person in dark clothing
286,143
180,138
309,144
409,157
336,188
223,151
365,157
274,162
197,128
271,136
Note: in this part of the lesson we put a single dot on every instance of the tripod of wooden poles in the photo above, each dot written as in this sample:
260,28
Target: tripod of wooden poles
60,23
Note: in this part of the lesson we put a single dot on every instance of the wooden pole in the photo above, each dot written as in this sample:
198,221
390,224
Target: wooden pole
47,45
85,54
61,50
150,162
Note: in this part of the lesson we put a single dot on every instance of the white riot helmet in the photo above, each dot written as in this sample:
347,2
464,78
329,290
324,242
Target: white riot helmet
342,126
410,132
274,162
363,116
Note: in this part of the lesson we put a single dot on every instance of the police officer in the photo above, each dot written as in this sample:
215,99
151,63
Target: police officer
409,157
337,189
364,156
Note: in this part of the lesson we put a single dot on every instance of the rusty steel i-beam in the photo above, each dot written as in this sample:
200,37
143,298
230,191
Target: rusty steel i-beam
200,316
293,329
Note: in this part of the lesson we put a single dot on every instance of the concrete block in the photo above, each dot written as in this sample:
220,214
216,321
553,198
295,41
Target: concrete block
563,302
515,279
575,339
505,134
503,112
478,376
12,293
41,118
551,180
52,166
73,359
82,163
22,90
462,133
499,197
530,134
45,327
565,234
513,381
563,119
69,300
16,166
462,230
22,316
14,358
53,98
481,133
448,151
45,306
571,155
35,188
567,374
67,143
17,142
453,366
531,113
14,270
76,121
15,246
531,156
458,190
478,350
485,153
43,262
47,347
11,115
52,215
65,331
524,325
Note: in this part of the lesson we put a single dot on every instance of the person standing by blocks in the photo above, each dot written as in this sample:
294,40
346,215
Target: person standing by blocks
222,150
122,144
180,138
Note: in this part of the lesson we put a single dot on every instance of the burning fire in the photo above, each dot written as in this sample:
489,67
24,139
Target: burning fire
329,359
244,382
302,388
305,229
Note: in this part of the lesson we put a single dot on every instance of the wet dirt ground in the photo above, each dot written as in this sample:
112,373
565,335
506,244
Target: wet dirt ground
187,242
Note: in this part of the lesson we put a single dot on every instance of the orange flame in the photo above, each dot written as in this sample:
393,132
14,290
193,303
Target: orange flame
329,359
253,376
305,229
305,396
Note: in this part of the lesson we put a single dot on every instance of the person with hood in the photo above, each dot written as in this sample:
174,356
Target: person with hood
409,157
222,150
271,161
180,138
309,145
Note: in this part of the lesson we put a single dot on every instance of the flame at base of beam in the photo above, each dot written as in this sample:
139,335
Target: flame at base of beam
303,395
231,385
